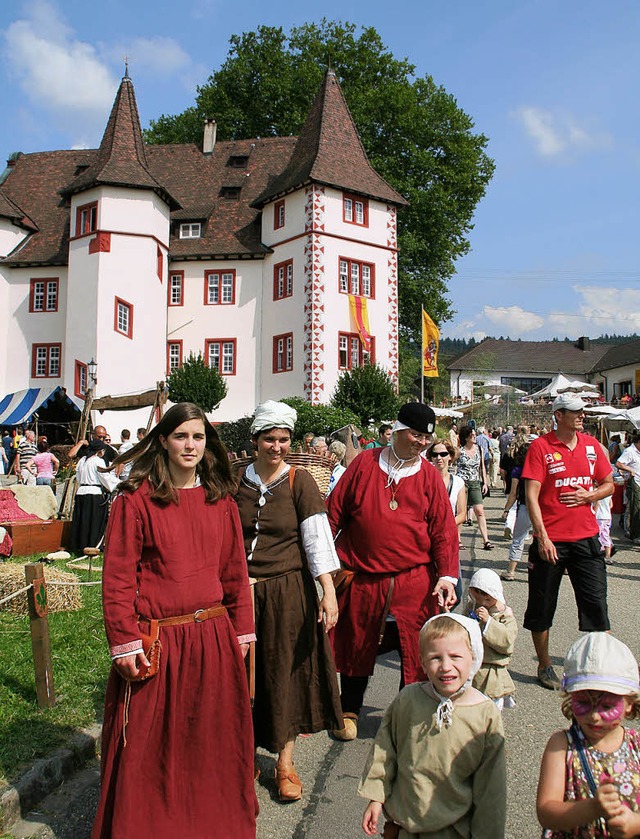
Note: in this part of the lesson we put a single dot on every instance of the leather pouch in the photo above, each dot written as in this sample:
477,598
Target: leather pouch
342,579
152,648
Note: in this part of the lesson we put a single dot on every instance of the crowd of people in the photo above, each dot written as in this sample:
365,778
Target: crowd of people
244,608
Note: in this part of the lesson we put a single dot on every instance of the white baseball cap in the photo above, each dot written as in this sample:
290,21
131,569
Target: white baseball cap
568,402
598,661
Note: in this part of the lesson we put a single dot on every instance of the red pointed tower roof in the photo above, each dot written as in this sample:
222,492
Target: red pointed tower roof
121,158
329,151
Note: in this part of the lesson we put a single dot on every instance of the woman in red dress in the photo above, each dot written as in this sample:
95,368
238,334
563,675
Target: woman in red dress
177,749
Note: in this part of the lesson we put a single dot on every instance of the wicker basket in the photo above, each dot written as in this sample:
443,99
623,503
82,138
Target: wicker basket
319,467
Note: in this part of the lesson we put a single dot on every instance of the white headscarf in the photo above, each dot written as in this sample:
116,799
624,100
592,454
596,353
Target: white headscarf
444,711
272,414
488,581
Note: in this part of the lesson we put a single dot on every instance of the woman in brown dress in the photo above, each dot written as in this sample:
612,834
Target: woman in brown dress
288,544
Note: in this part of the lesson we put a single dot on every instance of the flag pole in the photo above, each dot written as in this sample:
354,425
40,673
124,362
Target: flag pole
422,354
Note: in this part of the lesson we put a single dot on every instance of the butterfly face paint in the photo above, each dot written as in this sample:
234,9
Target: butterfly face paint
609,707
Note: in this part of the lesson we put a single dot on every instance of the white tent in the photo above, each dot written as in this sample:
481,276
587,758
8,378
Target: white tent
561,384
446,412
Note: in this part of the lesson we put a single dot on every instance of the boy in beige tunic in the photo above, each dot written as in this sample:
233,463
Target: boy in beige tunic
437,766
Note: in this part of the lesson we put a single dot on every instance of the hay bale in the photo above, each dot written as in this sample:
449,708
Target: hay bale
61,598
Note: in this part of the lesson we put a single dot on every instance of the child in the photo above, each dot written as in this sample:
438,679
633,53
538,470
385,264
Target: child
437,764
499,629
603,518
590,775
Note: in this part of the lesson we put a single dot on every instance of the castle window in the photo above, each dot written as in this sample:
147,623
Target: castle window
45,361
278,215
123,318
221,354
43,295
174,356
283,352
232,192
86,219
219,288
355,210
176,288
283,280
351,352
356,278
80,379
238,161
191,230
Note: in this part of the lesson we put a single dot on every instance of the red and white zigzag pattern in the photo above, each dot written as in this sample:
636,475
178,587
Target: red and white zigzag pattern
314,291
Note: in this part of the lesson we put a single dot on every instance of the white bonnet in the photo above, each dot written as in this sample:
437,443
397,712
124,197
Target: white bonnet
475,636
488,581
271,414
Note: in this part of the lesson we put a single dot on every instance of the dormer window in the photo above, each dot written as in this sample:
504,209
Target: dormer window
238,161
355,210
86,219
191,230
232,192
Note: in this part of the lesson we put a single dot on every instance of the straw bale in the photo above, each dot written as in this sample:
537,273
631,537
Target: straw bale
61,598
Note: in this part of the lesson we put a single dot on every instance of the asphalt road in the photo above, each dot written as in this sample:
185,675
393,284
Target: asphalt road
330,770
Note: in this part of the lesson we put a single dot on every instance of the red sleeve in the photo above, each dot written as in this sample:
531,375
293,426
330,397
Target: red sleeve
534,465
122,552
234,576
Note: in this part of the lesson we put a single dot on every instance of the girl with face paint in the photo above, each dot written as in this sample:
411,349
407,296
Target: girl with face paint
590,775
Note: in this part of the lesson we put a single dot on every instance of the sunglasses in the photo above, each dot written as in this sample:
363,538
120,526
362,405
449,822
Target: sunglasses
438,454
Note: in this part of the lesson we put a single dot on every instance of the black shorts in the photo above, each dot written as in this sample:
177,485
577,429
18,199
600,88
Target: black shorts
587,571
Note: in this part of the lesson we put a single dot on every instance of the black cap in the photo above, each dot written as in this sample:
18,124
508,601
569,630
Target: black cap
96,445
418,416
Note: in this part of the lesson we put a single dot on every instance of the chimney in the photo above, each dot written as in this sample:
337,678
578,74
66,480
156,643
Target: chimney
584,344
210,133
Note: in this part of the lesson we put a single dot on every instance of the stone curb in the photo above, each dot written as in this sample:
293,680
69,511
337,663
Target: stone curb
47,774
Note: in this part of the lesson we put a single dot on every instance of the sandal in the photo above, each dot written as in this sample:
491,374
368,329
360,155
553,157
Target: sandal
488,546
507,576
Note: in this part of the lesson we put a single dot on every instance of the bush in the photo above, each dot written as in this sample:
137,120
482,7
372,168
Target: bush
368,392
235,435
196,382
320,419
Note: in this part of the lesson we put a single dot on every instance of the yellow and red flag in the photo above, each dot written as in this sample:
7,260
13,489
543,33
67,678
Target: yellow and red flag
430,344
360,314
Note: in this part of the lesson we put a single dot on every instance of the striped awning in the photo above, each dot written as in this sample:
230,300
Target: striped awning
16,408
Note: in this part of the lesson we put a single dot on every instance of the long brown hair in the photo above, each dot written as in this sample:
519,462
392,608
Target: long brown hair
150,461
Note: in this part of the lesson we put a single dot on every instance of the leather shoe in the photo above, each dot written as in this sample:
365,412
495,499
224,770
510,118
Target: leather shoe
350,730
289,784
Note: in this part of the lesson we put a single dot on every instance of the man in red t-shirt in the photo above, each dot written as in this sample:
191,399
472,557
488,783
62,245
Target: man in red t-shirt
566,472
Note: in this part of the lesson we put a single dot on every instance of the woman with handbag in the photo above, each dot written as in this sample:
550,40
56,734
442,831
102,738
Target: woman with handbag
470,467
177,742
289,547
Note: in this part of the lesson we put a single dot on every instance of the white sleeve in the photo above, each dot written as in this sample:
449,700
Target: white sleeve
318,545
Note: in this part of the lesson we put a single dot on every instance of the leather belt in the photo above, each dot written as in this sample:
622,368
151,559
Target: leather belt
199,616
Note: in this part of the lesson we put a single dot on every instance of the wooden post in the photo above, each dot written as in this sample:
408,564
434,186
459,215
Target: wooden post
38,609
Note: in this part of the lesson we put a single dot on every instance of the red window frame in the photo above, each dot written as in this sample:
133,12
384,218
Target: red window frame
87,219
351,338
283,347
177,343
221,342
285,282
129,306
159,262
48,360
173,274
46,282
279,217
220,273
351,264
80,379
349,200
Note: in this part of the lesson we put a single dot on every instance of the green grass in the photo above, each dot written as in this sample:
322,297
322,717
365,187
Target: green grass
80,667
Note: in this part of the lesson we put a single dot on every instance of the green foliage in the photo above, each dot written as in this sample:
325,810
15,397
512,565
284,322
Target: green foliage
368,392
235,435
196,382
321,419
435,389
414,133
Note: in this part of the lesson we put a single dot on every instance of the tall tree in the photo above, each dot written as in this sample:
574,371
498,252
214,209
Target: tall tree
414,133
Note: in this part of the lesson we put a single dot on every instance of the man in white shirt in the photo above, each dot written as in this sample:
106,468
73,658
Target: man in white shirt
629,463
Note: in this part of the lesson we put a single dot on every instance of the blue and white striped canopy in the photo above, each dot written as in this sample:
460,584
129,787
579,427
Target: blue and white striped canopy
16,408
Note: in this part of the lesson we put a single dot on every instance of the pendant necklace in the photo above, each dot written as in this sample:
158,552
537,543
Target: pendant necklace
393,479
393,504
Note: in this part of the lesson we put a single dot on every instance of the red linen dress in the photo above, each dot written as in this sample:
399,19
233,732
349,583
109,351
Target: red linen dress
416,544
187,766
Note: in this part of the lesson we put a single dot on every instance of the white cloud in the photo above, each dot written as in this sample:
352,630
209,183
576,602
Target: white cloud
53,68
512,320
160,55
558,133
600,309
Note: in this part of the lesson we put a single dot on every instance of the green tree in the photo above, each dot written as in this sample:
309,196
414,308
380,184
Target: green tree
321,419
368,392
196,382
414,133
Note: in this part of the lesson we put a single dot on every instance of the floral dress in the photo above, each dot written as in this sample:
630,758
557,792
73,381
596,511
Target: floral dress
621,768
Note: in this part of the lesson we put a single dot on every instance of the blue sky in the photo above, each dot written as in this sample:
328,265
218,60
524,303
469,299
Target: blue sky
555,246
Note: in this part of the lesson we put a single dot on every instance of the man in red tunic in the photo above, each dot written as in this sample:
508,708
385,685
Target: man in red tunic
397,533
